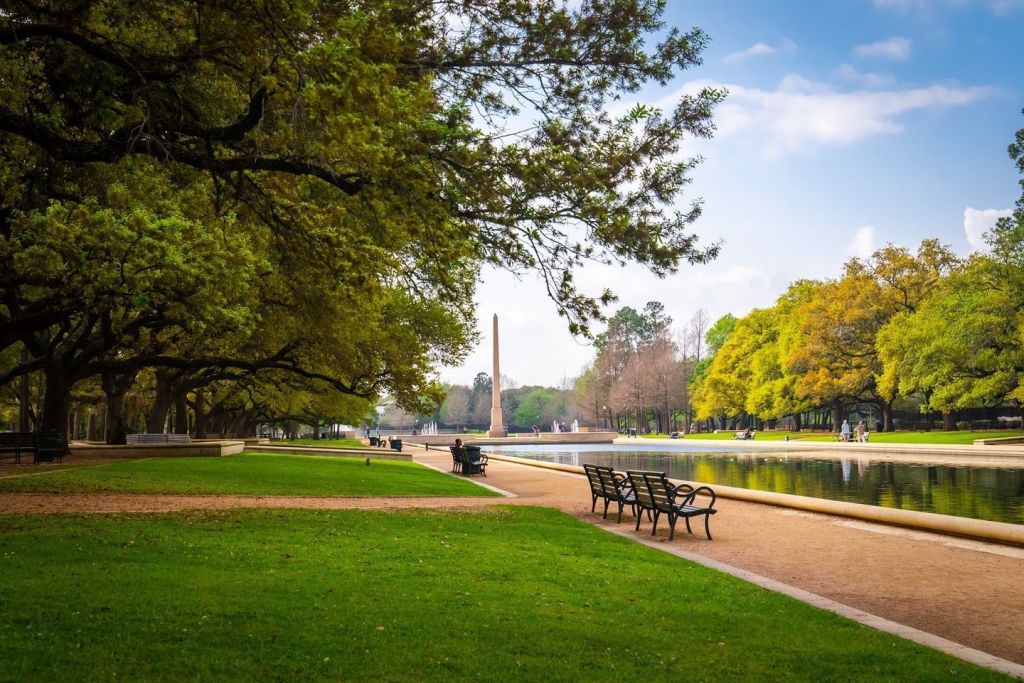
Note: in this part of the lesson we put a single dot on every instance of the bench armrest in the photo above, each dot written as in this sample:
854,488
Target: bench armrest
690,497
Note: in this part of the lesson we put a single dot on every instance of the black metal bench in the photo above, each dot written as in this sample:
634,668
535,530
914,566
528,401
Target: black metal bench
456,458
469,460
17,443
612,486
51,446
657,495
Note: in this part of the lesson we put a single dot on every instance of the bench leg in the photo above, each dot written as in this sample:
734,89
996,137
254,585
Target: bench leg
672,525
593,502
619,520
638,522
654,529
688,529
707,527
606,501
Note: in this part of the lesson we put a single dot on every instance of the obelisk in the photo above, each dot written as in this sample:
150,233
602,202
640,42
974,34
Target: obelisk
497,425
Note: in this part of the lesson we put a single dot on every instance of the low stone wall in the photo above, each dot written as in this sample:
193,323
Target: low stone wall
947,524
999,450
197,449
1004,441
372,453
525,437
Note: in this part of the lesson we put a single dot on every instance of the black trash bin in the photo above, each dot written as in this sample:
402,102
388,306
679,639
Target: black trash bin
396,445
373,440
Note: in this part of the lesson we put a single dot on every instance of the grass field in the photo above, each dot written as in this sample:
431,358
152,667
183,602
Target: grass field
496,594
251,474
934,437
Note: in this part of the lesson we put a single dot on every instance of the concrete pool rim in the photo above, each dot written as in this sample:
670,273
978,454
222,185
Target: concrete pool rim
1001,532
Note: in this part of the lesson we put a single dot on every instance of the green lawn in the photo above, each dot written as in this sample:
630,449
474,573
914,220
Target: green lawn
252,473
934,437
495,594
343,443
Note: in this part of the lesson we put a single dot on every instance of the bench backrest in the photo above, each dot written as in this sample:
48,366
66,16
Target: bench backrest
52,441
594,478
652,489
609,484
19,439
660,490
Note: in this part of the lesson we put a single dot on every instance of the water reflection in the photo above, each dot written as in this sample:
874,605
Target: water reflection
992,493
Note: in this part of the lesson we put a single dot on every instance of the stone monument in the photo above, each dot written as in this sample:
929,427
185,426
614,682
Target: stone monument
497,424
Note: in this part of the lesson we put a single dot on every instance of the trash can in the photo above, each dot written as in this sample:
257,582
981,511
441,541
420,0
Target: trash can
373,440
396,445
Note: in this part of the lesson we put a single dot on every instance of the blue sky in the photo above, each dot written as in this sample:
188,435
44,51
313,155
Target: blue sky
850,124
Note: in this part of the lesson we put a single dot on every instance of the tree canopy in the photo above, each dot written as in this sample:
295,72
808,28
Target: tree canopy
233,189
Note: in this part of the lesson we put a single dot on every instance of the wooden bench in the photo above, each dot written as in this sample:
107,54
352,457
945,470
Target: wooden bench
18,443
613,487
143,439
657,495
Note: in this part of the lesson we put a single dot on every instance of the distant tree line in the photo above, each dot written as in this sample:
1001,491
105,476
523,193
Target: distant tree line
924,330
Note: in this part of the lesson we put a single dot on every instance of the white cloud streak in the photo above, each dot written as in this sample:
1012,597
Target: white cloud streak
801,115
867,79
760,49
863,244
979,221
895,48
755,50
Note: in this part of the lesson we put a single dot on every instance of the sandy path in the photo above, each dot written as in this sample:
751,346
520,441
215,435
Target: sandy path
966,591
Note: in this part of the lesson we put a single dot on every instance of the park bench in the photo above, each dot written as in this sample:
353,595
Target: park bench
469,460
17,443
657,495
607,484
143,439
456,458
51,446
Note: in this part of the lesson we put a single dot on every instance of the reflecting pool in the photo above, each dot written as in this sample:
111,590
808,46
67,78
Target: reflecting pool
995,493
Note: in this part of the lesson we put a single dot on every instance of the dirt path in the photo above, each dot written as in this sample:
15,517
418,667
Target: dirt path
966,591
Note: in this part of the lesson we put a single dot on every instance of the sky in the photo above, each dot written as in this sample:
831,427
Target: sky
849,124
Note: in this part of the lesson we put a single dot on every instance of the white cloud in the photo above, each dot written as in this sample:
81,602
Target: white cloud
760,49
895,48
979,221
863,244
800,114
755,50
868,79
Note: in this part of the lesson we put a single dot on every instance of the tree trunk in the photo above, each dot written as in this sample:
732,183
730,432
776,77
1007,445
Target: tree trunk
887,423
23,398
796,422
156,422
90,433
201,415
115,387
56,397
316,429
949,420
180,412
